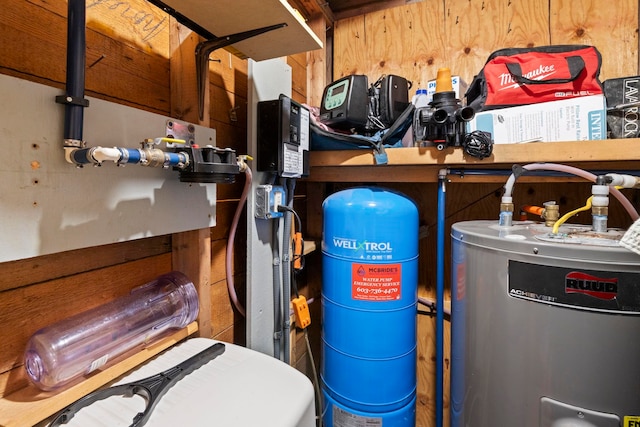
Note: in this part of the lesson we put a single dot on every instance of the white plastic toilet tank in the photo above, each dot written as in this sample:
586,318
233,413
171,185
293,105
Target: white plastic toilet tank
239,388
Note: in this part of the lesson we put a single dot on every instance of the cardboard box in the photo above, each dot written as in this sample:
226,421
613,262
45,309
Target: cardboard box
574,119
623,117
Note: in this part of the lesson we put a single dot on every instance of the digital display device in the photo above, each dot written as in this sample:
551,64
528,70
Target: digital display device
345,103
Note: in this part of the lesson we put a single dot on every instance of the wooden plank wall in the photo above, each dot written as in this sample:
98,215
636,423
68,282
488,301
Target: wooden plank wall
415,40
137,56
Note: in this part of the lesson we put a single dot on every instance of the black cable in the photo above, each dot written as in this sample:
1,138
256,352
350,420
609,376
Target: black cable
282,208
433,314
478,144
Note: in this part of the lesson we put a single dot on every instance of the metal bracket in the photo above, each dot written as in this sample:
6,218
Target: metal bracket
72,100
204,49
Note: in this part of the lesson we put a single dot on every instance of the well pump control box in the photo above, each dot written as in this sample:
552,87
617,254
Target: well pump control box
283,137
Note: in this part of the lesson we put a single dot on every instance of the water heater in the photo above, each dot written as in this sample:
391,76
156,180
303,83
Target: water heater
369,297
545,330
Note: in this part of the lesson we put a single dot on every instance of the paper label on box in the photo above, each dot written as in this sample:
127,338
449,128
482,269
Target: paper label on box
574,119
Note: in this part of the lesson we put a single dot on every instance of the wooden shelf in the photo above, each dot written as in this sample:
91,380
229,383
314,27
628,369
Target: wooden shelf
223,18
421,164
29,406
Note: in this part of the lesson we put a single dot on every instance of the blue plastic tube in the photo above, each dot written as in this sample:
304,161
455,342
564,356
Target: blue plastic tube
440,298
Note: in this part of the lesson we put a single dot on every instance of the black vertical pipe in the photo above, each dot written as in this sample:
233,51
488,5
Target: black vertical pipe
76,58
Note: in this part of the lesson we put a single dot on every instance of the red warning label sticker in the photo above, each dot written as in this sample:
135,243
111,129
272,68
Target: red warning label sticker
376,282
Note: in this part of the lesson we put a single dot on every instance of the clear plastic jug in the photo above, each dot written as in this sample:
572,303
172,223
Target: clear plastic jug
60,353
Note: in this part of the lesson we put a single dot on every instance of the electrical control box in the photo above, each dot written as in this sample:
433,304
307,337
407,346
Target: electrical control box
345,103
267,199
283,137
394,98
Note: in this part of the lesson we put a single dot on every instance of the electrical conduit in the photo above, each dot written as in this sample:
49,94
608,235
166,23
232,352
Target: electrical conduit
277,291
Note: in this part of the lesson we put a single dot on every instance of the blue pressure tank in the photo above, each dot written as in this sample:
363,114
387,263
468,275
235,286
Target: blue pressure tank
369,305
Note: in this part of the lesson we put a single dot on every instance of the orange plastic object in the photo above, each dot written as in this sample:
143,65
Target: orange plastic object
301,311
443,80
297,251
535,210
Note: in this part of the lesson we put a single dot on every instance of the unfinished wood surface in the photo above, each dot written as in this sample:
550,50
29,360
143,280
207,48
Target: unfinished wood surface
28,406
15,274
192,249
34,47
476,28
191,256
136,23
404,41
228,101
184,86
298,64
415,40
612,28
316,63
426,391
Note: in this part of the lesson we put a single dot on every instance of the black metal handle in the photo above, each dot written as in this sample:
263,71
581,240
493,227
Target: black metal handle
575,63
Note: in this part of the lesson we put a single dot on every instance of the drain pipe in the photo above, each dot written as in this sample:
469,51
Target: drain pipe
74,101
440,243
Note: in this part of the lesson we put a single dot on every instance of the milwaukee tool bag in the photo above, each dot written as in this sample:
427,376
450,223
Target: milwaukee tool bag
520,76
